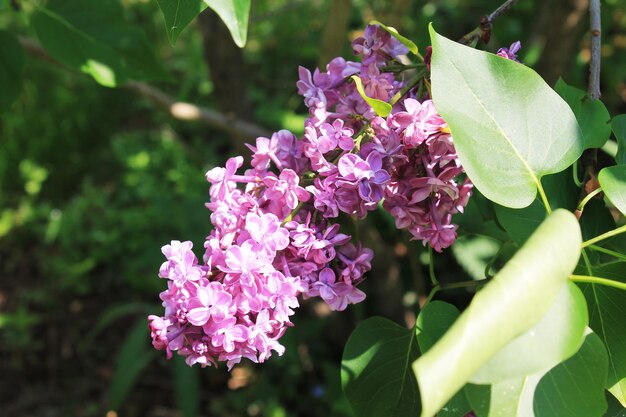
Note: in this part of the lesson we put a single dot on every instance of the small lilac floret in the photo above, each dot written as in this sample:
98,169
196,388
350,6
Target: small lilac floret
511,51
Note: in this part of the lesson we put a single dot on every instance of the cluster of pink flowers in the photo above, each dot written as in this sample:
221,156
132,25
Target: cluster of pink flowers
276,235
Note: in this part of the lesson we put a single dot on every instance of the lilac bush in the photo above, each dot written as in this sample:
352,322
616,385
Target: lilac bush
276,234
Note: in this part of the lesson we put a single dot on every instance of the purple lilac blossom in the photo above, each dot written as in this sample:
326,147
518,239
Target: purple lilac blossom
275,237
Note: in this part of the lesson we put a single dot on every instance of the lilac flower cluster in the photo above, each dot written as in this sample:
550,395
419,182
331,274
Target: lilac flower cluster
406,160
275,233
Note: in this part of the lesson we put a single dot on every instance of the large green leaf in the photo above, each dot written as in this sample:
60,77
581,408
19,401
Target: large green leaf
556,337
510,398
432,323
94,38
509,127
575,388
513,302
613,183
179,13
618,125
593,117
607,317
376,370
11,69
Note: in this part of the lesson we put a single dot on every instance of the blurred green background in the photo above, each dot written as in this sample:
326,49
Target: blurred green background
94,180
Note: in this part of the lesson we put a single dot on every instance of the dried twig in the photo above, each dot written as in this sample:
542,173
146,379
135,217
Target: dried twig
596,44
177,109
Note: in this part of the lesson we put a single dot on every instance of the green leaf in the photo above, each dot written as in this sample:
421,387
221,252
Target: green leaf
607,311
615,409
394,32
510,398
11,69
618,125
380,107
509,127
593,117
613,183
234,14
376,370
575,388
134,356
178,14
432,323
94,38
513,302
520,223
556,337
186,387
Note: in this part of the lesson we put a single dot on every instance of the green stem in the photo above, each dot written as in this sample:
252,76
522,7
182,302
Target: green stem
412,83
587,263
606,235
585,200
575,175
599,281
464,284
544,198
431,267
608,251
293,213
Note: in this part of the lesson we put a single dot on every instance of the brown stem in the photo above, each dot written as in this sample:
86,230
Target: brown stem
483,30
596,44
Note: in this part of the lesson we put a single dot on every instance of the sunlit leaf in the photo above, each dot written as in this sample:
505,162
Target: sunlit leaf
573,388
613,183
432,323
513,302
509,127
380,107
556,337
376,370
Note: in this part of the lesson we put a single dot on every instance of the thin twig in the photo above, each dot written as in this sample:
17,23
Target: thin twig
483,30
596,44
504,7
179,110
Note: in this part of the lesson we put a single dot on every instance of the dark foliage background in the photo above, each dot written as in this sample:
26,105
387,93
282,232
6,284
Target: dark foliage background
93,181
